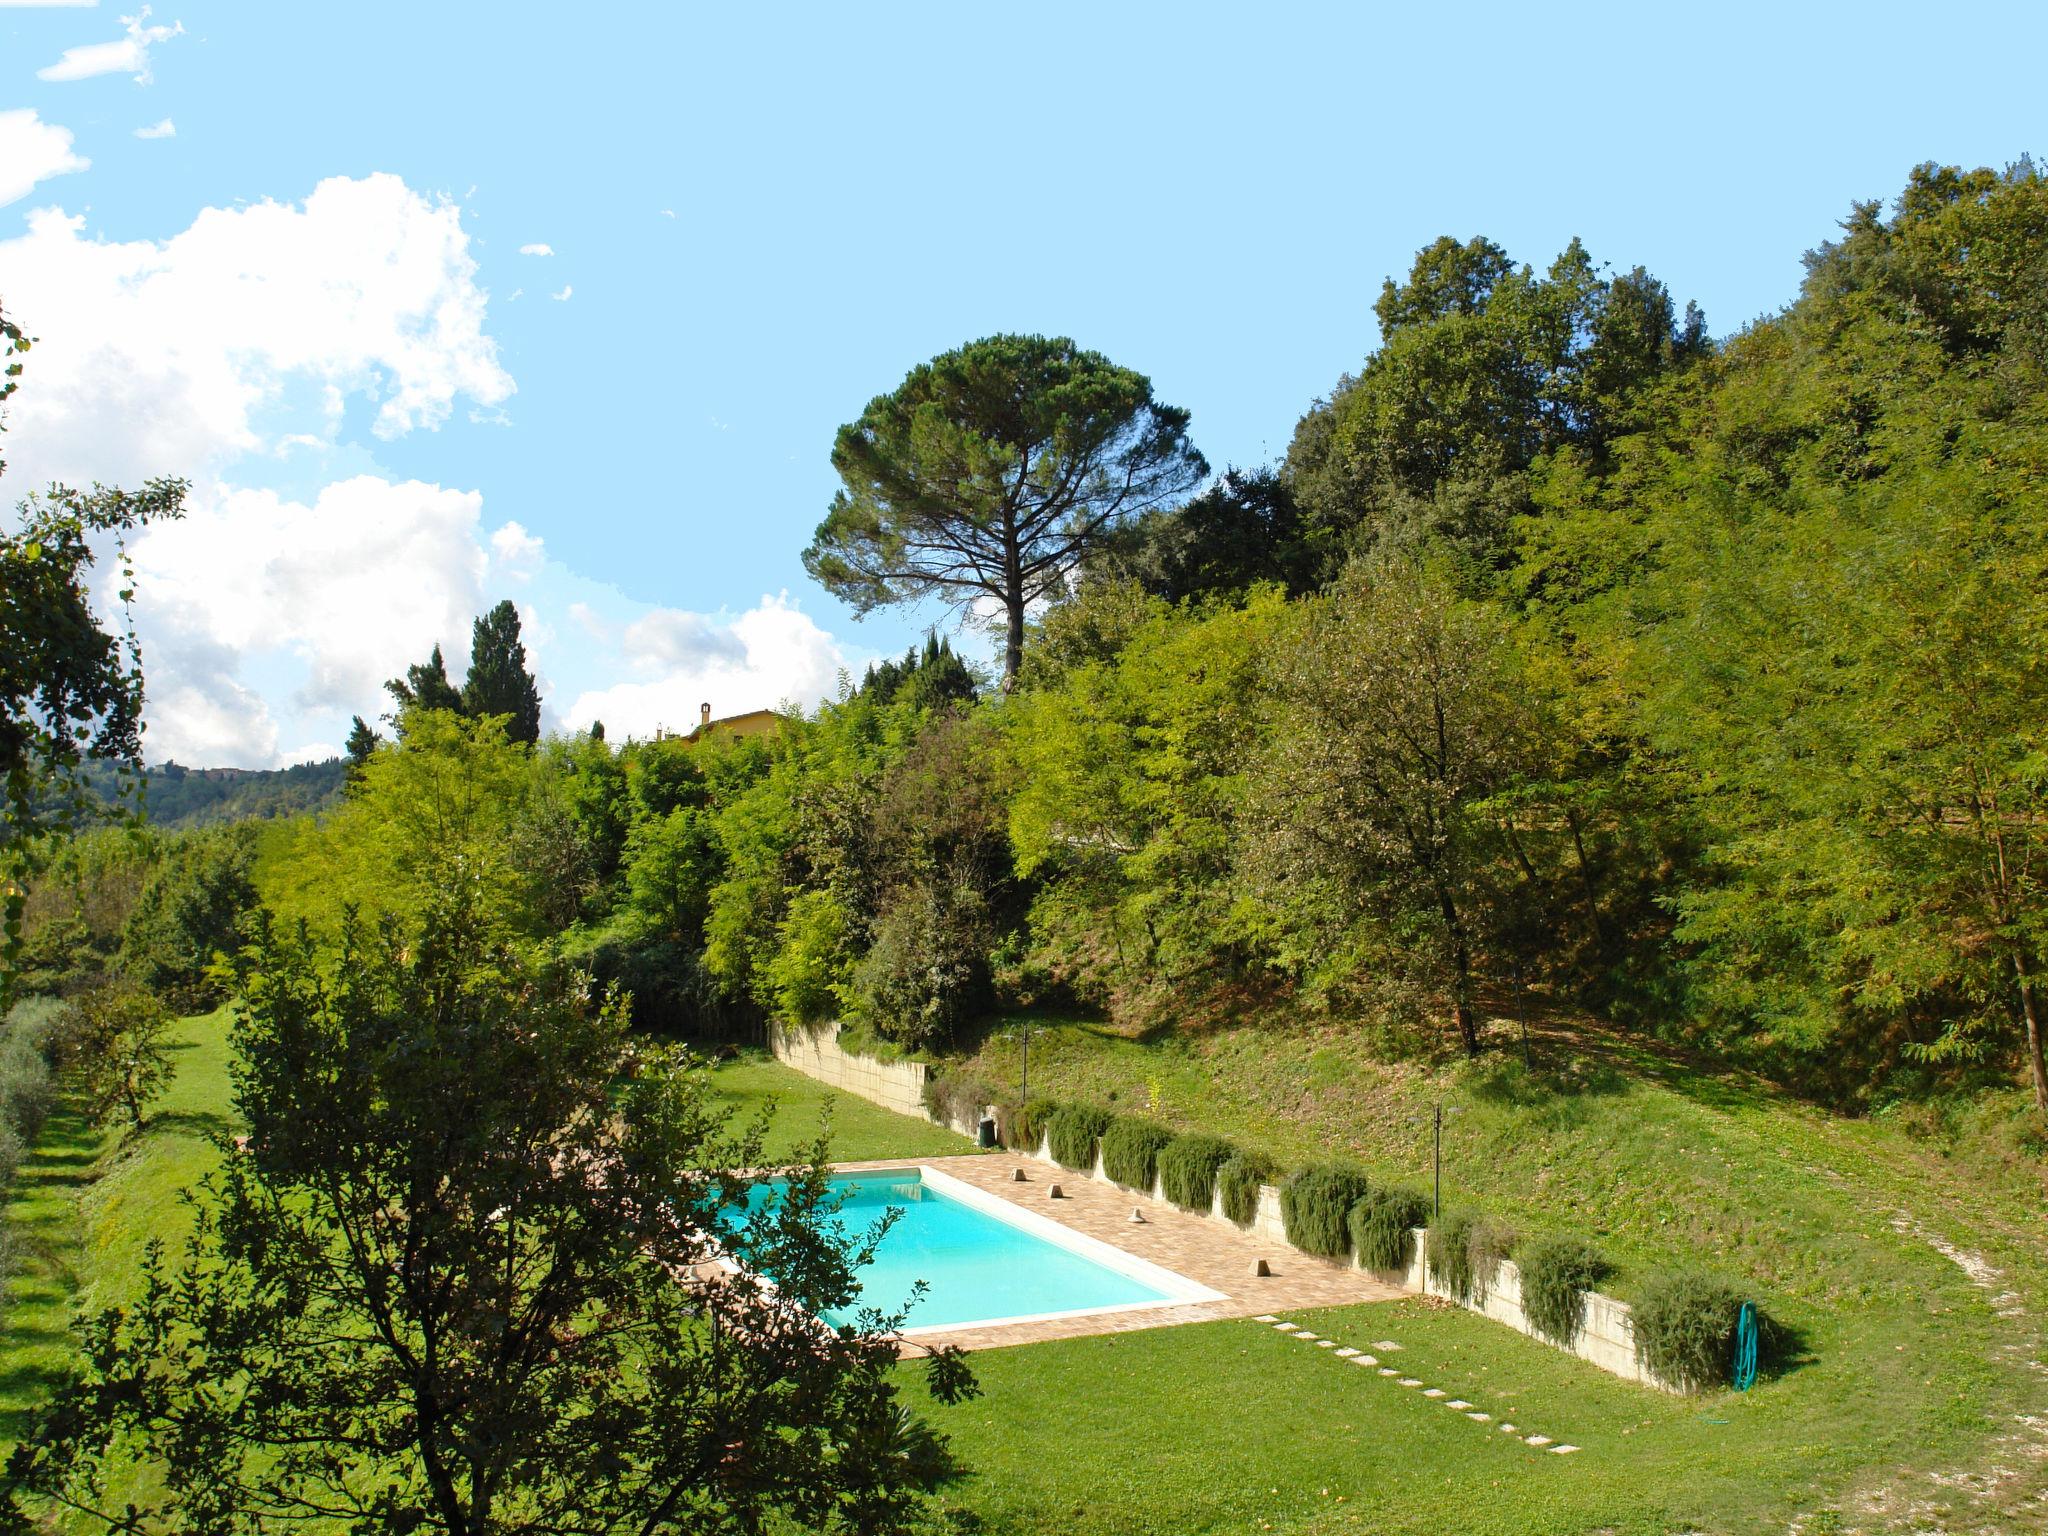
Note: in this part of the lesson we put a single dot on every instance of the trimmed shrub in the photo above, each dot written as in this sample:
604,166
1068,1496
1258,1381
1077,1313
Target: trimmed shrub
1072,1130
1464,1253
1239,1180
1188,1168
1130,1151
1315,1204
955,1099
1383,1225
1556,1274
1023,1125
1685,1329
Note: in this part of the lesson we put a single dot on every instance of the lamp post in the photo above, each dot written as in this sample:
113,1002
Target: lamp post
1437,1119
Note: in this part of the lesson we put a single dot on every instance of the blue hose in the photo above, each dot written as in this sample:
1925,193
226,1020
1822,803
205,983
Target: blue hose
1745,1347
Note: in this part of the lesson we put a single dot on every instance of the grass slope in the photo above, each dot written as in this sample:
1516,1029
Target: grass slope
860,1131
1916,1280
88,1203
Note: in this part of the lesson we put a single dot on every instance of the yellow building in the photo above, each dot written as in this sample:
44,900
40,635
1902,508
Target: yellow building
755,722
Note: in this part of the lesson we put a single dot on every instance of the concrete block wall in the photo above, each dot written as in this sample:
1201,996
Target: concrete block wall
1607,1340
814,1050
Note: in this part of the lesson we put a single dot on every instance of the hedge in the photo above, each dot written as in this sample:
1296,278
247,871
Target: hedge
953,1098
1685,1329
1315,1205
1464,1252
1383,1225
1072,1130
1188,1168
1239,1180
1556,1274
1023,1125
1130,1151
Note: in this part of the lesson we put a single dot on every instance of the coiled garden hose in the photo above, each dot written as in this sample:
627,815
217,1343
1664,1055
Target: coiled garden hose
1745,1346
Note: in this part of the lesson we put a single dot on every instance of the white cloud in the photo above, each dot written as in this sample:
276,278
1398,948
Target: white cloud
32,150
536,250
254,326
333,597
771,654
515,552
163,130
563,296
128,56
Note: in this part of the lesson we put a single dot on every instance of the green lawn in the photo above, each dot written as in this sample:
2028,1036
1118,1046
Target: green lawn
1918,1373
87,1204
1230,1426
860,1130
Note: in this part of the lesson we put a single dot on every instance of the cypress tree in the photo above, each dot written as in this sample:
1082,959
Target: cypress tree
498,682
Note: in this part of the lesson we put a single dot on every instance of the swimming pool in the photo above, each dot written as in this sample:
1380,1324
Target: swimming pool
985,1260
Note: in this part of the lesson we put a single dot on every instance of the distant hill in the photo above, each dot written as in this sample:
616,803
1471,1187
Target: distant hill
196,797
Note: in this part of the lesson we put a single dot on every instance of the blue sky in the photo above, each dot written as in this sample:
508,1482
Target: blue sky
758,219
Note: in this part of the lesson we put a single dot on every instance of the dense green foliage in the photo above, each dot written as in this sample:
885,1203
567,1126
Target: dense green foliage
1685,1329
1556,1274
1315,1206
1130,1151
1383,1224
1238,1181
1188,1166
1072,1131
413,1254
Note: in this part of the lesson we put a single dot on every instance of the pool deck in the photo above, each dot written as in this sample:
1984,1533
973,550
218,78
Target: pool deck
1208,1251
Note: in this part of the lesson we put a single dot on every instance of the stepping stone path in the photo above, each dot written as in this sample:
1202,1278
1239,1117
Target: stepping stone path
1268,1318
1435,1394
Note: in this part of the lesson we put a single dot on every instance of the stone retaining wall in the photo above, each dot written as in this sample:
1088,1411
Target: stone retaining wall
1607,1339
814,1050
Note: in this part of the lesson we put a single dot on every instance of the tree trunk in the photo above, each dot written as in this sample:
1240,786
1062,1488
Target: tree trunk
1461,973
2035,1063
1013,641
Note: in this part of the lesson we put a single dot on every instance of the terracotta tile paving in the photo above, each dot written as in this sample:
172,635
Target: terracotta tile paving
1208,1251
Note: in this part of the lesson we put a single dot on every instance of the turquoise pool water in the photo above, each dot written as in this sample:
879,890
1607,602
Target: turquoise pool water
976,1266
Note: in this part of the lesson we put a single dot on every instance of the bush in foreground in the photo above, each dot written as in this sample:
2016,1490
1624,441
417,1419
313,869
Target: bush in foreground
1072,1131
1685,1329
1556,1274
1130,1151
1383,1225
1188,1168
1239,1180
1315,1204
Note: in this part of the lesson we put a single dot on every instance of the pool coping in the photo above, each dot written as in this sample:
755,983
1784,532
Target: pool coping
1180,1290
1250,1274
